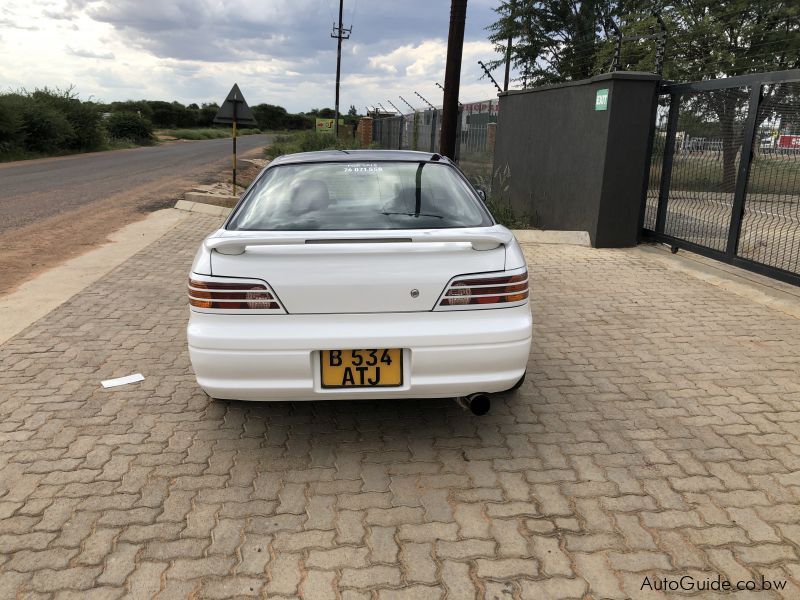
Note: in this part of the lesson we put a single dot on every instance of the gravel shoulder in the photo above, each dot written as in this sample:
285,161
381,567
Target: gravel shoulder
52,210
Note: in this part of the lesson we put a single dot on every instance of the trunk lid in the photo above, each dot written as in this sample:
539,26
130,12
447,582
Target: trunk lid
365,276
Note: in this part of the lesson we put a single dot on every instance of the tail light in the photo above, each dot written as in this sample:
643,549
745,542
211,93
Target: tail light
490,290
228,294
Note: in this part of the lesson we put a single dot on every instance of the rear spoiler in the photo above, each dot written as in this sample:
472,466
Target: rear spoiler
479,240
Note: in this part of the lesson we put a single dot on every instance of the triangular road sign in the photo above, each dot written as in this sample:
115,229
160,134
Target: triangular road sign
235,106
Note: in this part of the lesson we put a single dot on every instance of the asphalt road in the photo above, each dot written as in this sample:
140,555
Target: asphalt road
34,190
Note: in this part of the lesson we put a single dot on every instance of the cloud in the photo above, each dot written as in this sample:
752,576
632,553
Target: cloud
83,53
12,24
279,51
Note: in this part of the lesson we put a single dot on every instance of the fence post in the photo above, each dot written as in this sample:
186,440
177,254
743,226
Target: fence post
433,131
649,161
415,131
666,169
458,134
400,134
739,195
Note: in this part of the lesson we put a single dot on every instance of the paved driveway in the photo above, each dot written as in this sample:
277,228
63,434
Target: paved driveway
658,436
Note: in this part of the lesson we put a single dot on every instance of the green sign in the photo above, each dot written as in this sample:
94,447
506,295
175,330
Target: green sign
601,100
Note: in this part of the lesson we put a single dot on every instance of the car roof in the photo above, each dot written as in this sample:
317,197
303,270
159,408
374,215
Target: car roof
359,155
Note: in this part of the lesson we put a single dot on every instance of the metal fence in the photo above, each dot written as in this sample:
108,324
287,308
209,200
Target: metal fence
421,130
725,171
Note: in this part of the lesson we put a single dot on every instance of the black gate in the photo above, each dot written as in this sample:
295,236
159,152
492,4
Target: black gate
725,171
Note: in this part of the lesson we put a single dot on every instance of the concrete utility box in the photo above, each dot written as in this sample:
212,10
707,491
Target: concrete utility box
577,154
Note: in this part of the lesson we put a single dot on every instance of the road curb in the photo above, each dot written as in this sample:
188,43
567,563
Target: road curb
551,236
201,207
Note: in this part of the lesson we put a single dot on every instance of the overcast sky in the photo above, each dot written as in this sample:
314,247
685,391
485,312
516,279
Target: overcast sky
279,51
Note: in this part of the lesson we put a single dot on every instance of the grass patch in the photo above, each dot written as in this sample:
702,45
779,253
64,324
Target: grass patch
308,141
206,133
769,174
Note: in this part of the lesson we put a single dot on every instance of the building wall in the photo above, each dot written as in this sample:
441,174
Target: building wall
572,167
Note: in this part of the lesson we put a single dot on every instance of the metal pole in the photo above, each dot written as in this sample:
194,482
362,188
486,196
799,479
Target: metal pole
407,104
452,77
234,147
748,139
489,75
648,162
400,131
425,101
512,10
433,131
666,169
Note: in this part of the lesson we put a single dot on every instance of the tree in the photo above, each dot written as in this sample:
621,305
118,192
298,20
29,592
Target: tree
130,126
352,111
207,113
563,40
713,40
554,40
139,107
322,113
270,116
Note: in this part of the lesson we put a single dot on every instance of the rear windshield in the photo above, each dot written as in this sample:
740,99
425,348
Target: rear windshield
360,195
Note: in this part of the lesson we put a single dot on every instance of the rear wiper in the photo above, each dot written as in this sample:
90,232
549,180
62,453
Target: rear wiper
414,214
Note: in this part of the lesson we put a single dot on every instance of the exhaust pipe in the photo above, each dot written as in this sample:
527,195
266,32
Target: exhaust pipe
479,404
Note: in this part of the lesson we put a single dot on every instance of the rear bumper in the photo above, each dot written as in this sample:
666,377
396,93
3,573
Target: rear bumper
276,357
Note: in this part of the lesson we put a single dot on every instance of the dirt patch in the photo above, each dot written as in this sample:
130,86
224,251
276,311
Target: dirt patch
42,245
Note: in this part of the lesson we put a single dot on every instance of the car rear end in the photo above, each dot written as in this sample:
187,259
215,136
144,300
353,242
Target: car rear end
376,275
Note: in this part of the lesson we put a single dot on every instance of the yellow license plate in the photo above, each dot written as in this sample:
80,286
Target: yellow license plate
382,367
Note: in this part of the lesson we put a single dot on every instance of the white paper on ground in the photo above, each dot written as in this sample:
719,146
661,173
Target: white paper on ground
122,380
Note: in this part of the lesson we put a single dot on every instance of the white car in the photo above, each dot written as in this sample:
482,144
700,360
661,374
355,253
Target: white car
360,274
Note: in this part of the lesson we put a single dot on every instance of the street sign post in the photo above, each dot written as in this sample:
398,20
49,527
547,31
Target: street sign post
234,110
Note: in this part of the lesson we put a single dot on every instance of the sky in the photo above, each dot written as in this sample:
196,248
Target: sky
278,51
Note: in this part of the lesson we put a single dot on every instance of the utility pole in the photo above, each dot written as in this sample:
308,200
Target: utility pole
340,33
452,78
512,15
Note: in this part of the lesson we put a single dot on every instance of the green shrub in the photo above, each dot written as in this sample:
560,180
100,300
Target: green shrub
87,131
83,117
46,129
11,133
129,126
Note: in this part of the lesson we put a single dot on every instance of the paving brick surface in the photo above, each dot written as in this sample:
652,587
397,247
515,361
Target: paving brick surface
657,435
